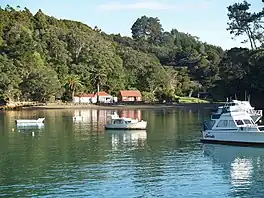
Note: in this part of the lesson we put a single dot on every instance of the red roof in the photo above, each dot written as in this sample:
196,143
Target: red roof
90,95
130,93
102,93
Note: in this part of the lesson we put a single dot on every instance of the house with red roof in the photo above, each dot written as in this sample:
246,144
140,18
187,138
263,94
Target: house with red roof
83,98
92,98
130,95
104,97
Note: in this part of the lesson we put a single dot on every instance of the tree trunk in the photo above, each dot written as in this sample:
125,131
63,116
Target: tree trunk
250,40
250,36
98,89
72,95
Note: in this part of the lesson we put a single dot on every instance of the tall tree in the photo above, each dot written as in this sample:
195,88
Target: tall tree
72,81
243,22
147,28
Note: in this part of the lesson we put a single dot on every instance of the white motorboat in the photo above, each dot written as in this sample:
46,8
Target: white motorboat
233,126
238,105
39,120
115,122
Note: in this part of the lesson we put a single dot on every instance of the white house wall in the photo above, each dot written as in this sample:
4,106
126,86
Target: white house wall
85,100
76,99
103,99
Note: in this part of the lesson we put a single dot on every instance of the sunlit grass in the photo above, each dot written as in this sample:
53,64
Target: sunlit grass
192,100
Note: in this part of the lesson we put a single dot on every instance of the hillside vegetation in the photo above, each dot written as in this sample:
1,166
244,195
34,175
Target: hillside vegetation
42,58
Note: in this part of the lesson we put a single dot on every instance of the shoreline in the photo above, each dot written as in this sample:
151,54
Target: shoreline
125,106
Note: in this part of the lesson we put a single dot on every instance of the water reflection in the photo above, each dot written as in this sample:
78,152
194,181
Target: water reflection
31,129
95,119
80,158
242,165
131,137
29,126
132,113
241,172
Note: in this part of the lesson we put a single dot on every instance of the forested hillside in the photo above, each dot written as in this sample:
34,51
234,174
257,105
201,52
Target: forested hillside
42,57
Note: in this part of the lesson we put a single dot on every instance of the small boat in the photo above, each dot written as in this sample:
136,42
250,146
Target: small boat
233,126
238,105
115,122
39,120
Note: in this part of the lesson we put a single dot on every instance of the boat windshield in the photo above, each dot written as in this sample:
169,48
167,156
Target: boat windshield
247,121
239,122
118,121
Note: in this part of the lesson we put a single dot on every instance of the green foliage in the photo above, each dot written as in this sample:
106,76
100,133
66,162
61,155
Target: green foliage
72,82
242,21
148,97
42,57
147,28
40,85
9,80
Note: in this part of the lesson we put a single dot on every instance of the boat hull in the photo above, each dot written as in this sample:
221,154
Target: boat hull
232,143
233,137
40,120
132,126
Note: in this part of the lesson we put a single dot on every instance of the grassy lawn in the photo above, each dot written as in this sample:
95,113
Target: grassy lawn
192,100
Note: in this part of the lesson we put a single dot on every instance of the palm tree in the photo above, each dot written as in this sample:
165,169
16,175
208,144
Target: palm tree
72,81
99,78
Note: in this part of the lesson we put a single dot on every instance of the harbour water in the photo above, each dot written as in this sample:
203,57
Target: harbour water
67,158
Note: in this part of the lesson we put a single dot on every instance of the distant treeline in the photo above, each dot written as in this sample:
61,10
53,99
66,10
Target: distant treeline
43,58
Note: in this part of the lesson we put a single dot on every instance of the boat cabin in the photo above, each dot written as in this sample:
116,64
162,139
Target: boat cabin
230,120
120,121
238,106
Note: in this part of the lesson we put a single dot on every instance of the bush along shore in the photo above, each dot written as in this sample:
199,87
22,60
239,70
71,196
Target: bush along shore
122,105
47,59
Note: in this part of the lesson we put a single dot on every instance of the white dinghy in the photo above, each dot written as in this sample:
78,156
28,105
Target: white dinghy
29,121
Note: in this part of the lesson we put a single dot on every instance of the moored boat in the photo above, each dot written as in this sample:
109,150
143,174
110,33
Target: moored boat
28,121
233,126
115,122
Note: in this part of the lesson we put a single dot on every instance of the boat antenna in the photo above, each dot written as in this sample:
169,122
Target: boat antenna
245,95
235,96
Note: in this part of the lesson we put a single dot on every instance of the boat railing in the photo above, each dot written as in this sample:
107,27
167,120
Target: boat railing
257,112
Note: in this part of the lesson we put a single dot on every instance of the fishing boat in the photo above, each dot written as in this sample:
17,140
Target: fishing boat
30,121
116,122
238,105
233,126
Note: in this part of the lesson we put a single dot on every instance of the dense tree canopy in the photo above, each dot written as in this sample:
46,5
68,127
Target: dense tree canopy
42,57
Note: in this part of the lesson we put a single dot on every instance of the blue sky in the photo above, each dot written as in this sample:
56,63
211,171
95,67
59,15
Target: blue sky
203,18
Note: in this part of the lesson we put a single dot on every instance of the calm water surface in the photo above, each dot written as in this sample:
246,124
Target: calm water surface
66,158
